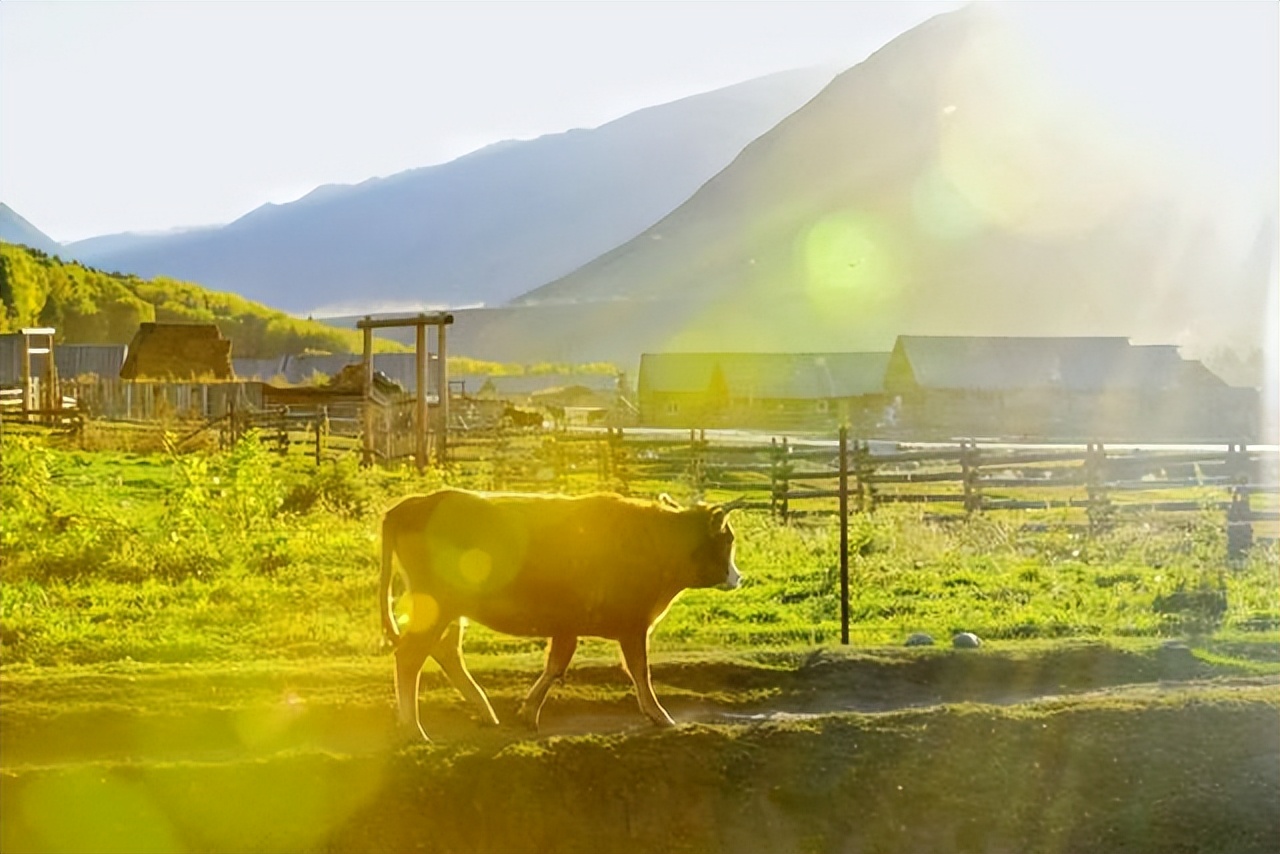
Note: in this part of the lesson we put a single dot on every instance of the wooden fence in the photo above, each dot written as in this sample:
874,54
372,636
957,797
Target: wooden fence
796,479
1098,484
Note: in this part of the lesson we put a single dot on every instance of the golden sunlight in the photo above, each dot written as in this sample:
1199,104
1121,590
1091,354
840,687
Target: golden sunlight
1004,156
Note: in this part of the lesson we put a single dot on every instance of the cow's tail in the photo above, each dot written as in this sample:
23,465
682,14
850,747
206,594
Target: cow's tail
390,630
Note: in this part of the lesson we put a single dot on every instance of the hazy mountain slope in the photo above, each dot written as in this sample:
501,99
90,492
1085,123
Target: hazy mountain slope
943,186
15,229
484,227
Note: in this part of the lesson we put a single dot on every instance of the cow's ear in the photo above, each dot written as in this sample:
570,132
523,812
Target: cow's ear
718,514
668,501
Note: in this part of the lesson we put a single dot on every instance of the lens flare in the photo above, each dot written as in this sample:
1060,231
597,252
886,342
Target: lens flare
423,612
475,566
850,259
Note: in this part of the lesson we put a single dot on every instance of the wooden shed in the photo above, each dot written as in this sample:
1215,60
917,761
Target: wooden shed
177,352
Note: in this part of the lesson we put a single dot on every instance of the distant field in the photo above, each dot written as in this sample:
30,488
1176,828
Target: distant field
191,657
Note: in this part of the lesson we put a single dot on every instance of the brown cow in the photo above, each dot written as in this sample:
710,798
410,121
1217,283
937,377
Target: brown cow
543,566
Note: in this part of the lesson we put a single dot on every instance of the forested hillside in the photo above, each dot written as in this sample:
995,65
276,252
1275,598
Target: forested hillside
89,306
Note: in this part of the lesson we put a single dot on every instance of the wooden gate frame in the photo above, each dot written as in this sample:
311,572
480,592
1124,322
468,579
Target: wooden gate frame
438,319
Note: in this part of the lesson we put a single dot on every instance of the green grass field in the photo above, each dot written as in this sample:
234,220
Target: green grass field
191,656
241,556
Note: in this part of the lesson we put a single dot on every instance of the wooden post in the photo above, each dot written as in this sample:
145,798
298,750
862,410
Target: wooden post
420,414
49,392
367,397
786,482
442,392
844,534
320,418
1099,508
774,479
1239,513
860,474
969,476
28,389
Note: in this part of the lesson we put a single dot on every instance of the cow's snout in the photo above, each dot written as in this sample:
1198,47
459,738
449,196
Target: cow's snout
732,581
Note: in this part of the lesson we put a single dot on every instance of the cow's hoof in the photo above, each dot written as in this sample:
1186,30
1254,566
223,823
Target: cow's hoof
527,718
662,723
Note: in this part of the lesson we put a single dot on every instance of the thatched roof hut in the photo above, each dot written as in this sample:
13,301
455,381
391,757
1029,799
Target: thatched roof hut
177,351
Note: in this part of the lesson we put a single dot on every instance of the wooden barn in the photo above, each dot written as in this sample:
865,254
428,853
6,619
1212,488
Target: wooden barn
796,391
1061,388
177,352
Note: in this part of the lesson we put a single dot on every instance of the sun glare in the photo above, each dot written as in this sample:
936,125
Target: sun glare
850,255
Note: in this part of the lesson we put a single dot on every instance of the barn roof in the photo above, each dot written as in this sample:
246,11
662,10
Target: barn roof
766,376
1074,364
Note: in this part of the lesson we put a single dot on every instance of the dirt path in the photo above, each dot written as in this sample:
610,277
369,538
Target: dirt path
176,715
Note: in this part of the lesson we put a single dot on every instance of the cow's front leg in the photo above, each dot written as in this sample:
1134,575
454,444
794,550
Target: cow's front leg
559,653
411,653
635,654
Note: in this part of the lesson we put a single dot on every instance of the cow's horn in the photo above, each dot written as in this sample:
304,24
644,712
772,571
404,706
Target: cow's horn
666,499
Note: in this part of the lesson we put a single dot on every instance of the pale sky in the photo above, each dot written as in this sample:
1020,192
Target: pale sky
145,116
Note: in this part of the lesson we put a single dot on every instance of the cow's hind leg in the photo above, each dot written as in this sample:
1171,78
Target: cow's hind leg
411,653
635,654
448,652
559,654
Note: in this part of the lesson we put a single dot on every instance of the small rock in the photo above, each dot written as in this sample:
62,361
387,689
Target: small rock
920,639
966,640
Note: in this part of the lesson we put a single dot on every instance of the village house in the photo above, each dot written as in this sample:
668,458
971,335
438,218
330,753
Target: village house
768,391
1103,389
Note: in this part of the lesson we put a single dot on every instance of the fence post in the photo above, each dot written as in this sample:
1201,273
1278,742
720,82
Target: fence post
1239,527
786,482
1099,508
1239,515
863,472
844,534
773,477
969,476
696,474
320,417
618,461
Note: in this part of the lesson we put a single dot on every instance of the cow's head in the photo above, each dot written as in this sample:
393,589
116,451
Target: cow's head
714,555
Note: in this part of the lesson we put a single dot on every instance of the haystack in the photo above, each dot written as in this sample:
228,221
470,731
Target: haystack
177,351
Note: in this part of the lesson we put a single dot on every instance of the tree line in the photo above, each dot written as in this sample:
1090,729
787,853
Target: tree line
88,306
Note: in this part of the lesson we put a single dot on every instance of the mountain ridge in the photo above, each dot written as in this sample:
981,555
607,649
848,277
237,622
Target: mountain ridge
485,226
